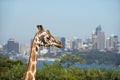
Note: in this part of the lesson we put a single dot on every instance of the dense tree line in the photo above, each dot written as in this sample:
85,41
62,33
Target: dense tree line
101,58
14,70
68,60
9,69
57,72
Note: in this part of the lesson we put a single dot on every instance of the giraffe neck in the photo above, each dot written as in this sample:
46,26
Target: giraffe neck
31,68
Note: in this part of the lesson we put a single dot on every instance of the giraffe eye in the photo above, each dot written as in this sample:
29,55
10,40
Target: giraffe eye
48,38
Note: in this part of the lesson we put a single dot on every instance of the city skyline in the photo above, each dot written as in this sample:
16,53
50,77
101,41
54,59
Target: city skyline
62,18
97,41
72,38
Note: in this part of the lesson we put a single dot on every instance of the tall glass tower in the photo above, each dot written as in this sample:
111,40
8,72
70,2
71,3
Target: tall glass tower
98,29
99,39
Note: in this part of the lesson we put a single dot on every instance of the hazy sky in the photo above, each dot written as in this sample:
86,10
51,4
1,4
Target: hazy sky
64,18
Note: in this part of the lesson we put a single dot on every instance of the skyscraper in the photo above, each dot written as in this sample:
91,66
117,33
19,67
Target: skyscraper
12,46
98,29
113,41
98,39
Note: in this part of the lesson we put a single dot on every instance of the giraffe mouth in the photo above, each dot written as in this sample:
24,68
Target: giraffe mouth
57,45
54,45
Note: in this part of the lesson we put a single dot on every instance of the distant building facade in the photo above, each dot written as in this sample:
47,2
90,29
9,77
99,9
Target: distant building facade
12,46
69,45
112,42
101,40
98,39
63,41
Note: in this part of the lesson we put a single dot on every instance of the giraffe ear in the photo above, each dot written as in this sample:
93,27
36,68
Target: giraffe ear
48,32
40,28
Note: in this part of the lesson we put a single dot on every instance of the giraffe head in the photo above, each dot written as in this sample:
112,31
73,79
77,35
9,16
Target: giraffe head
46,39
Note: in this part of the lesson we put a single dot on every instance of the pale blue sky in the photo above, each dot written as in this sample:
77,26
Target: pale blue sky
64,18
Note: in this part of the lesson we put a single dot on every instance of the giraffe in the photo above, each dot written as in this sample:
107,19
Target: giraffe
41,38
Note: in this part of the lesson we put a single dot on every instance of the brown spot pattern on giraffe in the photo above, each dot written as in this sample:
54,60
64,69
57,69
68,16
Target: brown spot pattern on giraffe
34,56
30,76
37,49
39,45
42,39
35,39
33,68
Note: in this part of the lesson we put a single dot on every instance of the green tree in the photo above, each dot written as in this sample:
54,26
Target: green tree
16,73
70,59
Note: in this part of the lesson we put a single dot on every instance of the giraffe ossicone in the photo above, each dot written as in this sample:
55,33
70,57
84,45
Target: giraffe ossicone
41,38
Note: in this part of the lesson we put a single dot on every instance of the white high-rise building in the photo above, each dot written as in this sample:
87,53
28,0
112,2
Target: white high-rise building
111,42
98,39
101,40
